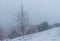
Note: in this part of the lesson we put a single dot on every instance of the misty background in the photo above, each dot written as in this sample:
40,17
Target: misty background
38,11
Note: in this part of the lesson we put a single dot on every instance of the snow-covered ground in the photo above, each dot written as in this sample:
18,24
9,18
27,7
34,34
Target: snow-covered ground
48,35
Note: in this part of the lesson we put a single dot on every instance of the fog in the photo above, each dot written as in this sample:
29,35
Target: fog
38,11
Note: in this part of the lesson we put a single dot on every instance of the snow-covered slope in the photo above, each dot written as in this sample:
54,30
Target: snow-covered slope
48,35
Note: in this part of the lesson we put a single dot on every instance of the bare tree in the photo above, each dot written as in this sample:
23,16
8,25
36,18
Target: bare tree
23,21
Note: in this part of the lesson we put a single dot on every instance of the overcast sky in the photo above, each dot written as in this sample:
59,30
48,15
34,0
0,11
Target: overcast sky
38,11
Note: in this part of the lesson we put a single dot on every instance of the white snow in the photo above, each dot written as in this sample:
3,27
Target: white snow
48,35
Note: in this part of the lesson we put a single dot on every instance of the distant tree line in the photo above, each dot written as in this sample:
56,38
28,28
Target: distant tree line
32,29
